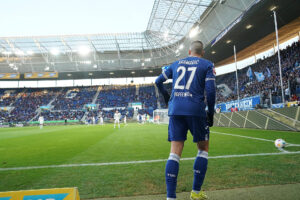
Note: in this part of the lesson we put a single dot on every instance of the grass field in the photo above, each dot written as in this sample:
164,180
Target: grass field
31,158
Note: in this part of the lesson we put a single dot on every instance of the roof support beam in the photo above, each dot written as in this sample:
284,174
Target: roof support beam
70,53
40,47
119,52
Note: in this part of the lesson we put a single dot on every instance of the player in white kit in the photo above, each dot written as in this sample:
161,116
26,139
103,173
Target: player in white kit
94,120
101,120
117,117
41,121
143,118
125,120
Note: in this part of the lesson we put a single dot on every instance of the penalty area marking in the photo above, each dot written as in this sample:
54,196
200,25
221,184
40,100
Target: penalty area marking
141,161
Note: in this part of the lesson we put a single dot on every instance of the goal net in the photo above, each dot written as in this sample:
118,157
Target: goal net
160,116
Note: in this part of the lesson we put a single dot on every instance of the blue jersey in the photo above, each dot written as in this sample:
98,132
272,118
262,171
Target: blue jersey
191,77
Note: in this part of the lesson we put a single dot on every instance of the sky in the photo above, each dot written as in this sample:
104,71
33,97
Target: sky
64,17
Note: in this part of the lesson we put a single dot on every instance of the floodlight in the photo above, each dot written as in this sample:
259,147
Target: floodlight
54,51
194,32
6,53
248,26
19,52
84,50
29,52
166,34
273,8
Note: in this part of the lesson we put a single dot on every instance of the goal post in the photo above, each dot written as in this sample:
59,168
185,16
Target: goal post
160,116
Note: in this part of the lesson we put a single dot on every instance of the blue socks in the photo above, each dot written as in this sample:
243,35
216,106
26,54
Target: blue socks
200,167
172,169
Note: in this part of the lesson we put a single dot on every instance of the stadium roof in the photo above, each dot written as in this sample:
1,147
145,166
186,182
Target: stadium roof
169,22
167,38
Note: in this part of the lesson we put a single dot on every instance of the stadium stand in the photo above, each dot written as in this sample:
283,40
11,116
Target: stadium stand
69,103
251,86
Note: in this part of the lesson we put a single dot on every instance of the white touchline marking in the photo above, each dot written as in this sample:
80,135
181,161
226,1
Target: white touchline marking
253,138
140,162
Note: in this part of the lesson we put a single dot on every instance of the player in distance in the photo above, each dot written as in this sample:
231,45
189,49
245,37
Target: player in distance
191,77
117,117
41,121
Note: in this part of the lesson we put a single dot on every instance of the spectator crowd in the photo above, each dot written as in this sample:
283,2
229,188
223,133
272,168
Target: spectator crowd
70,103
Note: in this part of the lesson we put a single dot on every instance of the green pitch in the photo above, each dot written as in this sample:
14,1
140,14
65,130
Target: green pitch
109,150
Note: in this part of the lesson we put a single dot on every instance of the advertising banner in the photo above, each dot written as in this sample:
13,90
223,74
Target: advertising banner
248,103
9,76
278,105
41,75
44,194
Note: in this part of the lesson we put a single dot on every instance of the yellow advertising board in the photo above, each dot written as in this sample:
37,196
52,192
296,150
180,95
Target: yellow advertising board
44,194
9,76
292,103
37,75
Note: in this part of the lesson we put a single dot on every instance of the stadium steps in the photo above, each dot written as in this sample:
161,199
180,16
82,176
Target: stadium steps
38,110
96,95
12,103
238,120
257,119
224,119
137,91
281,121
93,102
290,112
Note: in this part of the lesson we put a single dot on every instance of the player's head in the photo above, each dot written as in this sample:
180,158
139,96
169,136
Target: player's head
117,111
196,48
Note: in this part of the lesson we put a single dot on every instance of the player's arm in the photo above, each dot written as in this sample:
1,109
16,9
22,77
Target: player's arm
159,82
210,88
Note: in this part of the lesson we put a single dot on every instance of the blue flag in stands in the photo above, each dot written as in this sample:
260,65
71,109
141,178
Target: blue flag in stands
259,76
268,72
249,73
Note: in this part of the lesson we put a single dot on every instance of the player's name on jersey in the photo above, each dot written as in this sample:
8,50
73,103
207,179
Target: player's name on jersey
189,62
44,194
183,94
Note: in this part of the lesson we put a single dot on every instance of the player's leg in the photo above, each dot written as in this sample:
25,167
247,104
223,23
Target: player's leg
115,123
172,168
177,136
200,132
200,167
119,124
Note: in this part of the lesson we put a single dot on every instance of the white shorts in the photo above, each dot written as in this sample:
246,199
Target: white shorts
117,121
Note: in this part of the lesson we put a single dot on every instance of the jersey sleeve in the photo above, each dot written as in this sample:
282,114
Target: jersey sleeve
210,88
165,75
